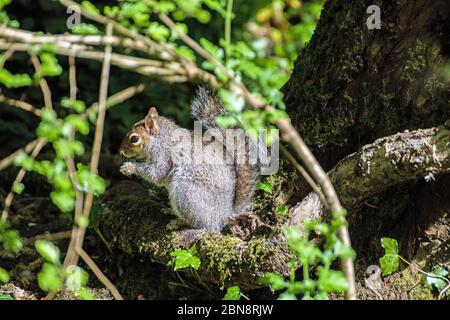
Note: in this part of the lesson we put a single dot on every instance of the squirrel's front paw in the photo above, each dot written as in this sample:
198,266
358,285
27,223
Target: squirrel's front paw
128,168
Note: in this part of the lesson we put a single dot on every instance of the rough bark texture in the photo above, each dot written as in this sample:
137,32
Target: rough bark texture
352,85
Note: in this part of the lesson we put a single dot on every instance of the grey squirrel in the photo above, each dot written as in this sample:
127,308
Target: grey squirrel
202,195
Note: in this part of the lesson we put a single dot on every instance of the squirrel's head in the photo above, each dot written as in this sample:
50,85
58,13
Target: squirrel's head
140,136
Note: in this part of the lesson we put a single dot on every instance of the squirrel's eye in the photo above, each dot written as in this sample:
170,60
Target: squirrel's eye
134,139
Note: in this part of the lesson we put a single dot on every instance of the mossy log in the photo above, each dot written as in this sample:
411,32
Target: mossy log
134,220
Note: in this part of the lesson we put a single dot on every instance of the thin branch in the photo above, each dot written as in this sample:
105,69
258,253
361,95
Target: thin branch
153,48
6,162
76,243
72,79
99,274
166,71
290,135
303,172
20,104
113,100
61,235
43,84
10,197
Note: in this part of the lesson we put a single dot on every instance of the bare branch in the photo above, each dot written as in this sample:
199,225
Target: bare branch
20,104
99,274
10,197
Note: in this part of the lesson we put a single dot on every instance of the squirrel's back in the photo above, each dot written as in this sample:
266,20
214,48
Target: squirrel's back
206,108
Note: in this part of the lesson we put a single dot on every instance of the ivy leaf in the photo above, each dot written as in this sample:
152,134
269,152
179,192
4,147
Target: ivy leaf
4,276
48,251
390,261
436,282
186,259
233,293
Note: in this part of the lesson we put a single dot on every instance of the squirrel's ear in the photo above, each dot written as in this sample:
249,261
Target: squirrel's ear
152,112
150,121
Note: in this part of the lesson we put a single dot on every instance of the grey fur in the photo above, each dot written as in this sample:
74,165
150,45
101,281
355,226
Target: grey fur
201,194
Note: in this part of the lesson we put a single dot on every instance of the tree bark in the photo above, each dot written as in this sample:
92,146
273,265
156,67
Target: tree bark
352,85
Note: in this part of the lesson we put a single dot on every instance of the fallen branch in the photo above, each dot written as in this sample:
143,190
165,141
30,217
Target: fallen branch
389,161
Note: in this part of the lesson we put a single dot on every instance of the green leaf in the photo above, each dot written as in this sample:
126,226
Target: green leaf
186,259
11,241
84,294
331,280
264,186
85,29
186,52
5,297
65,201
436,282
90,7
390,261
4,276
227,121
275,280
14,80
18,187
233,293
232,101
49,278
48,251
287,296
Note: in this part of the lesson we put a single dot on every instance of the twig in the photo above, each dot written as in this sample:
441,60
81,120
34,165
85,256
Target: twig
43,84
10,197
113,100
20,104
99,274
49,236
153,48
166,71
6,162
290,135
303,172
72,79
76,243
8,54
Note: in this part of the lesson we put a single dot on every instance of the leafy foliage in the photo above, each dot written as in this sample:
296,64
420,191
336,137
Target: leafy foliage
323,280
54,275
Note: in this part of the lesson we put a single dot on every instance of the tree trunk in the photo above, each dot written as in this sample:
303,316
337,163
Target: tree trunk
352,85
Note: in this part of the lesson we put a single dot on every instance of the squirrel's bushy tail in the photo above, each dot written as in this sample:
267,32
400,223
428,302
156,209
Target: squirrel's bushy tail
206,107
